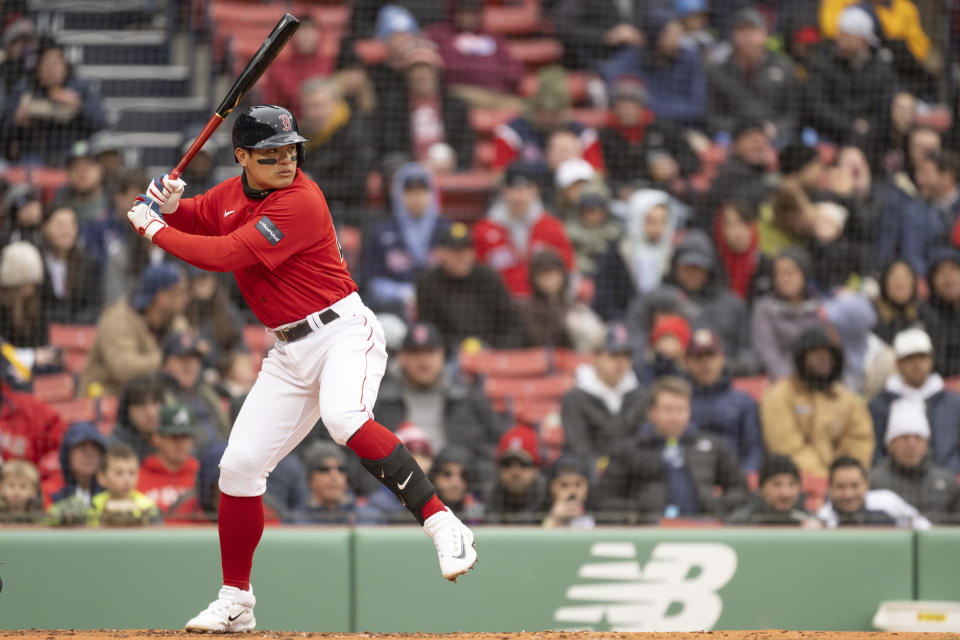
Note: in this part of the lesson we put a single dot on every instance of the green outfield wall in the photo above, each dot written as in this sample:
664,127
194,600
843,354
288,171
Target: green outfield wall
386,579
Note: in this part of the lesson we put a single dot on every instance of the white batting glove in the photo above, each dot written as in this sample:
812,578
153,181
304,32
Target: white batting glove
145,217
166,192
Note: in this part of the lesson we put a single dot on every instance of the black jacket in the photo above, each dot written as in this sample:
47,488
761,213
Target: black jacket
942,319
931,489
504,508
770,93
591,431
340,165
628,161
83,291
758,512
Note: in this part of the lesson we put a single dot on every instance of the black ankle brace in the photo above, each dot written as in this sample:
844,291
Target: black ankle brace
400,473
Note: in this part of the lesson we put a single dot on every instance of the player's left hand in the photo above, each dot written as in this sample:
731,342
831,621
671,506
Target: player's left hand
166,192
145,217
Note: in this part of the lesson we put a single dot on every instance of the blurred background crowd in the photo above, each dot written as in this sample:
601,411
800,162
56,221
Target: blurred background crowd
637,261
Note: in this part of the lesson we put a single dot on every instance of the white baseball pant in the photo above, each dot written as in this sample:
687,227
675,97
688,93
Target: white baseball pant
332,373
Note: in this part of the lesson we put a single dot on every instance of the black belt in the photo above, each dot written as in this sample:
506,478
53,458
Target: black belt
302,328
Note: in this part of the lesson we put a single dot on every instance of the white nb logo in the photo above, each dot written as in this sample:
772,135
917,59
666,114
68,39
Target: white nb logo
226,213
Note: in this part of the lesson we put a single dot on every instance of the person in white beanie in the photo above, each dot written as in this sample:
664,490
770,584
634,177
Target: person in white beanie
908,470
23,322
916,380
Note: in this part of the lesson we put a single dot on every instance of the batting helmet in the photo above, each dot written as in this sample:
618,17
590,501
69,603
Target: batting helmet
267,126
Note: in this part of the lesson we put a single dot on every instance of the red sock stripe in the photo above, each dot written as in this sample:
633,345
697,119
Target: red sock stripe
240,522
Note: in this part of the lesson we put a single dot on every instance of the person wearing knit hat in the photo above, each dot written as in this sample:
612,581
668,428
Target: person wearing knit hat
569,490
23,317
667,345
915,380
779,500
908,470
20,264
519,494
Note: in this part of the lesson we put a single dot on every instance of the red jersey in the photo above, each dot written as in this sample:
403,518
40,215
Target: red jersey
163,486
31,430
283,250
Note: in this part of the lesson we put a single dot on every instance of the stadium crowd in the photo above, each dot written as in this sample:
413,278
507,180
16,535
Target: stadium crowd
714,275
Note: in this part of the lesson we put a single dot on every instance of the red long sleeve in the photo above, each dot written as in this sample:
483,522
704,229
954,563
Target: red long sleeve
212,253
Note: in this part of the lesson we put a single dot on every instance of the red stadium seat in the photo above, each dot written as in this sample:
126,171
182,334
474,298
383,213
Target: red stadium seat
75,361
815,488
79,337
534,412
107,408
513,20
518,363
536,52
566,361
77,410
545,388
53,387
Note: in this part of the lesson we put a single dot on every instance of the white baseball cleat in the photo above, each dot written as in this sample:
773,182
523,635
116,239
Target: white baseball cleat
231,612
454,543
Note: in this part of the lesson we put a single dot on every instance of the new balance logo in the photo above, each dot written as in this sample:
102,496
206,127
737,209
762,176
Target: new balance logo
403,485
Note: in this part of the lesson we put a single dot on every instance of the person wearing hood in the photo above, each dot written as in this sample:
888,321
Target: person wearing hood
696,279
22,214
339,151
716,407
670,469
552,317
779,500
81,452
916,380
941,313
897,305
516,227
811,416
451,475
636,264
673,74
593,228
398,249
138,414
569,493
782,315
908,470
606,401
868,360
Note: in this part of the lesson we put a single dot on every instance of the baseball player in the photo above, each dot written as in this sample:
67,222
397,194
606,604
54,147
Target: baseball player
272,228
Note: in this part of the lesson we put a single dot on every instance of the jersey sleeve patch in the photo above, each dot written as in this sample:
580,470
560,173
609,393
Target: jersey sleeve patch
269,230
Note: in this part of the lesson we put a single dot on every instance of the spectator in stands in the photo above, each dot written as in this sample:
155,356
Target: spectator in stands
200,503
525,137
304,58
128,333
779,501
21,500
519,495
922,140
451,476
551,316
606,401
182,367
339,151
787,311
420,119
120,503
19,49
199,174
941,313
50,109
466,299
212,314
697,30
22,215
696,280
810,416
81,452
592,32
30,430
851,502
716,407
477,65
903,118
908,470
448,409
104,238
936,177
637,263
637,145
23,318
801,166
916,380
236,374
753,82
673,74
331,500
786,221
737,240
72,291
849,85
172,470
517,226
138,414
593,229
398,249
382,505
570,178
917,61
383,18
896,305
868,360
666,346
569,492
85,191
746,174
396,28
670,469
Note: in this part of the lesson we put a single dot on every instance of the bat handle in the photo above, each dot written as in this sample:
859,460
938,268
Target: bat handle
215,121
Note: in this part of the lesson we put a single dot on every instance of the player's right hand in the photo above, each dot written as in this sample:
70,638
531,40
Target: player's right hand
166,192
145,217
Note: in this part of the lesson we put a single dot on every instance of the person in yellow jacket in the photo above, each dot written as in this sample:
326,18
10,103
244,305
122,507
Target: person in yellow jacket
120,504
810,416
899,21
